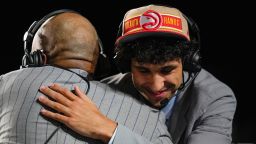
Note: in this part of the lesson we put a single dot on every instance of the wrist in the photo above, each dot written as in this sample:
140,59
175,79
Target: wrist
108,130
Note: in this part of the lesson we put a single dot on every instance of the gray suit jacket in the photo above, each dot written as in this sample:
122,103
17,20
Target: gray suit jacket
21,123
203,112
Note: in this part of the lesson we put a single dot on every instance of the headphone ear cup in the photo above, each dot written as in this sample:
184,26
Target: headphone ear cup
36,58
39,55
26,60
33,59
196,62
192,62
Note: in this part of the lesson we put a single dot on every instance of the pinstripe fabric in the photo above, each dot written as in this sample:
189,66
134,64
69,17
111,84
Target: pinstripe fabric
20,121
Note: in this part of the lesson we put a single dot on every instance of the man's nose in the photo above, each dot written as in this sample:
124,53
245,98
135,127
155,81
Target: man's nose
157,83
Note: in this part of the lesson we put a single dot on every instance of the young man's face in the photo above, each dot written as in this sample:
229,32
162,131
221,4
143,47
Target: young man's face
156,82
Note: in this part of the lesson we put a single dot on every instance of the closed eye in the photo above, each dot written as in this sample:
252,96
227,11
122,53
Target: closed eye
167,69
143,70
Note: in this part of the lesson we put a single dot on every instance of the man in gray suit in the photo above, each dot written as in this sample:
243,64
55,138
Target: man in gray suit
158,53
163,51
65,49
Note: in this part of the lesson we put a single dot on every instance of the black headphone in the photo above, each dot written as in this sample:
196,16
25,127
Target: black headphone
191,63
35,58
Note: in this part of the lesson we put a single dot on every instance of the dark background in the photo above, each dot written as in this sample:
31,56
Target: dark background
226,49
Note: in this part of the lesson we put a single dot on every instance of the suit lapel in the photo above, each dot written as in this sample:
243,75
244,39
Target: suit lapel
178,121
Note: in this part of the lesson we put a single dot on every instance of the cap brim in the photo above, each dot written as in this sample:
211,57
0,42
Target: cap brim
137,35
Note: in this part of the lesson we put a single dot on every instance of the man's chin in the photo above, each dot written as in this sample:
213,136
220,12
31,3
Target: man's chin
160,103
156,104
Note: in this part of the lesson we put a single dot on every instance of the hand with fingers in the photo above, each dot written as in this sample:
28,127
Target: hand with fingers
77,112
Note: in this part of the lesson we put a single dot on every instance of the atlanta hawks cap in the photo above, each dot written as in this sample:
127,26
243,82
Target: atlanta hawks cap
153,20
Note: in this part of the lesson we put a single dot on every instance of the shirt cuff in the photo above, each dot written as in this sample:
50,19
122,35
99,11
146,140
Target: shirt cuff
113,137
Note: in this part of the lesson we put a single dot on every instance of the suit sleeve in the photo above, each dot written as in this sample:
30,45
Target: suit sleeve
215,125
125,135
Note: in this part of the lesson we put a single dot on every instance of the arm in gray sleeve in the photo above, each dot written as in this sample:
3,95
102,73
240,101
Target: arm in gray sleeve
125,135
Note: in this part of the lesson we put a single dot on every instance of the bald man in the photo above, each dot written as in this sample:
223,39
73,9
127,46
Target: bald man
65,49
68,40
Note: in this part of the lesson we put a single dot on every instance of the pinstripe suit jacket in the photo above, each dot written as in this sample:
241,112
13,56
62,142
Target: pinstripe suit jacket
203,112
21,123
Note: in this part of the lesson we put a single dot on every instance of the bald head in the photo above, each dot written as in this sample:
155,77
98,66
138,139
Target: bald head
68,40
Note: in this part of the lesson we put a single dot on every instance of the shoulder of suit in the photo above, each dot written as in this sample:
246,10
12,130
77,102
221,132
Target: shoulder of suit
208,85
14,72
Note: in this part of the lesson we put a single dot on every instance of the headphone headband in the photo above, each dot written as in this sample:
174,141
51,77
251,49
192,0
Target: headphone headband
30,33
35,58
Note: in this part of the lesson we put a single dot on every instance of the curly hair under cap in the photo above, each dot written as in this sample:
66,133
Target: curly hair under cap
155,50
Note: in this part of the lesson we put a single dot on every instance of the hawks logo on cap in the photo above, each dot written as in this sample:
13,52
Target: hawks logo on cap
150,20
